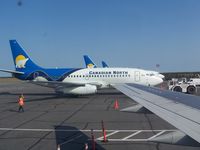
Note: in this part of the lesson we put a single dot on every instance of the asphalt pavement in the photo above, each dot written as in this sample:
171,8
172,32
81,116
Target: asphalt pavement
50,120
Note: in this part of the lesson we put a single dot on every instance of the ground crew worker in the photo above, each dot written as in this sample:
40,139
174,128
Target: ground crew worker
21,103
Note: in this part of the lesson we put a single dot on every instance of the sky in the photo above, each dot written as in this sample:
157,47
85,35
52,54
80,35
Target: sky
124,33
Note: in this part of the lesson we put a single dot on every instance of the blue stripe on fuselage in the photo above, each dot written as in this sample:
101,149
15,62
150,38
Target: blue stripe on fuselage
49,74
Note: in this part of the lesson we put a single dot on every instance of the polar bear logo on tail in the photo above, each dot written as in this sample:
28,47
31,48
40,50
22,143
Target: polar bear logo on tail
90,66
20,61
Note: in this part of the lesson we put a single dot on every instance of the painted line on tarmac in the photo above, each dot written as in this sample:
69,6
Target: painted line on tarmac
65,130
101,138
156,135
132,135
127,138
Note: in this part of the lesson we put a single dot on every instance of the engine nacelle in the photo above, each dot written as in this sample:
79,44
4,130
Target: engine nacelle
80,90
40,78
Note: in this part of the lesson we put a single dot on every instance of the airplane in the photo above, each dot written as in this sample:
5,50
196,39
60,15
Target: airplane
180,110
75,81
90,64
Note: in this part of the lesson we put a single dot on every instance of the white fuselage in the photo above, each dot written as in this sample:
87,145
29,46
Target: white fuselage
106,76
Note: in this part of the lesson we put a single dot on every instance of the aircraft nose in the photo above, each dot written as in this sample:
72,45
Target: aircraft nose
161,76
159,80
156,80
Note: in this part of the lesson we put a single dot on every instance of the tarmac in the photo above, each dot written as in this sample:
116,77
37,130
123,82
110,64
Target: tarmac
50,120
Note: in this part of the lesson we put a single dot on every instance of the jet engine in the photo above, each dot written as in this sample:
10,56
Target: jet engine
80,90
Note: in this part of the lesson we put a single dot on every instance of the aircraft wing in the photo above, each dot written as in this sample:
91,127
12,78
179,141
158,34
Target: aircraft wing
55,84
179,109
11,71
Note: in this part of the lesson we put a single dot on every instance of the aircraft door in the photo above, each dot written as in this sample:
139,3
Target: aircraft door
137,76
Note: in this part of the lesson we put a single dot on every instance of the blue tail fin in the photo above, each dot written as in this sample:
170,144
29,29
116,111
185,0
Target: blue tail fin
88,62
21,60
104,65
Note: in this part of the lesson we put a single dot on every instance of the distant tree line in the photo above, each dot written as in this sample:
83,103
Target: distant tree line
170,75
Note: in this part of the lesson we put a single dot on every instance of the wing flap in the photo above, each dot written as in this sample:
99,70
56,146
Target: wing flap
179,114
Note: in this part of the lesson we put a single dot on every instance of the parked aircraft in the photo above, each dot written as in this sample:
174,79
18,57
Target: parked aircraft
90,64
77,81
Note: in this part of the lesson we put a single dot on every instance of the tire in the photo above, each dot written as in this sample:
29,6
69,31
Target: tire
177,89
191,89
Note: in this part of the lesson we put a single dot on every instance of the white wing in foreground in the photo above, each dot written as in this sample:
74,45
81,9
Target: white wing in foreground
180,110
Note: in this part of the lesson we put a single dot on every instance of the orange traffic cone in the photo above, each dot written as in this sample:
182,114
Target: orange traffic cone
116,105
104,132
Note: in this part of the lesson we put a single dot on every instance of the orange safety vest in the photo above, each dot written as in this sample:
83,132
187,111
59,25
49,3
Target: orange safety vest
21,101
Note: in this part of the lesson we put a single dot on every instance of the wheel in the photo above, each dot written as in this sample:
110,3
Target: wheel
177,89
191,89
